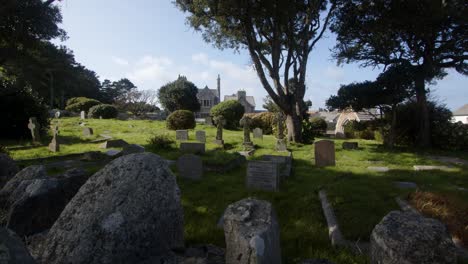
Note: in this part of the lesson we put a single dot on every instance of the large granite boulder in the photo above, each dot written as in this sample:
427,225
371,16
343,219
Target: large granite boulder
127,212
28,173
8,168
252,233
12,249
409,238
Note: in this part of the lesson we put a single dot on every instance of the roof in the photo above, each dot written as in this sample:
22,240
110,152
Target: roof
328,116
462,111
205,90
248,98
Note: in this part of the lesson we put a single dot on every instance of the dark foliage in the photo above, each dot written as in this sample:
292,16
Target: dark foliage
231,110
78,104
103,110
180,94
180,119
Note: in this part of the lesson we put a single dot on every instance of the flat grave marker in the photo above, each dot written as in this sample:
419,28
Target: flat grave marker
182,135
263,175
200,135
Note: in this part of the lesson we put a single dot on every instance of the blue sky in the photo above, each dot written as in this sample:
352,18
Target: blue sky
148,42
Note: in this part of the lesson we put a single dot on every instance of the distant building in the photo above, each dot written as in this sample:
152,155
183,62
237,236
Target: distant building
461,115
208,98
248,102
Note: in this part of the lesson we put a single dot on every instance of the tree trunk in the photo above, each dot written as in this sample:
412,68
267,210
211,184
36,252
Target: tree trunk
392,136
424,133
294,126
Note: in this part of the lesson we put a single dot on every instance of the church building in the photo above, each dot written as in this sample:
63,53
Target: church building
208,98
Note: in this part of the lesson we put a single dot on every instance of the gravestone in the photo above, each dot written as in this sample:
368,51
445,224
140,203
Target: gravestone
263,175
378,169
57,114
245,123
200,135
54,145
220,122
182,135
116,143
406,185
82,115
35,128
189,147
208,121
350,145
281,144
252,233
405,237
258,133
324,153
428,168
284,163
87,131
190,166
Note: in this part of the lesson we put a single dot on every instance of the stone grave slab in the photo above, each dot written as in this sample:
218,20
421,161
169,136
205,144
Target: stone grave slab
182,135
429,168
113,152
189,147
87,131
208,121
263,175
258,133
284,163
350,145
200,135
378,169
190,166
406,185
82,115
324,153
116,143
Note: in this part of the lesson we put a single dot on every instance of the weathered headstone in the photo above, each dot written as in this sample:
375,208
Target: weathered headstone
35,128
131,208
116,143
82,115
54,145
350,145
258,133
252,233
87,131
324,153
182,135
189,147
404,237
200,135
190,166
132,148
263,175
245,123
284,163
220,122
281,144
406,185
57,114
208,121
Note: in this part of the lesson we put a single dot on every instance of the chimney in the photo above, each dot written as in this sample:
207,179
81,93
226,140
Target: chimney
219,88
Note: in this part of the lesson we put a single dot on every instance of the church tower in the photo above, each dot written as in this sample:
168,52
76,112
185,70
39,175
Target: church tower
219,89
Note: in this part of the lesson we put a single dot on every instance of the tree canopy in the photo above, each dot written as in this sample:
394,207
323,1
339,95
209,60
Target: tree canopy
180,94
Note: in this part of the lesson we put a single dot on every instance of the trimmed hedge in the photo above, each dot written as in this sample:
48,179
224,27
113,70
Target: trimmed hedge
231,110
264,120
103,110
180,119
78,104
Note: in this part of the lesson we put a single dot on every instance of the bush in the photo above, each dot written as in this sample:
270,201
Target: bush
180,119
103,110
363,130
161,141
231,110
17,104
264,120
312,129
78,104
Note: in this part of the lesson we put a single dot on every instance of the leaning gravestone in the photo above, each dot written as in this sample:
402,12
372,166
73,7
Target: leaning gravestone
187,147
190,166
403,237
82,115
54,145
35,128
350,145
127,212
87,131
182,135
116,143
258,133
263,175
200,135
324,153
252,233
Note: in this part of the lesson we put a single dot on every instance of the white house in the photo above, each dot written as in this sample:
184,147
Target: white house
461,115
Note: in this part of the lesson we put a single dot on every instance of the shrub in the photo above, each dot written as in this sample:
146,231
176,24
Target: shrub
313,128
363,130
264,120
17,104
180,119
231,110
78,104
161,141
103,110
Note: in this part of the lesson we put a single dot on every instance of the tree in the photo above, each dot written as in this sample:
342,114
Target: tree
429,35
138,102
279,36
180,94
114,91
269,105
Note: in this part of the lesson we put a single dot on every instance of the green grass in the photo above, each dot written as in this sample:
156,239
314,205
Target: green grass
360,197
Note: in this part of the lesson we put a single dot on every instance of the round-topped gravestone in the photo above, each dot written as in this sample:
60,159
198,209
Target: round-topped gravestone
403,237
127,212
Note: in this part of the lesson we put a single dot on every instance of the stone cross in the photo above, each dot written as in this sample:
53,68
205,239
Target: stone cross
220,122
280,123
54,145
245,123
34,127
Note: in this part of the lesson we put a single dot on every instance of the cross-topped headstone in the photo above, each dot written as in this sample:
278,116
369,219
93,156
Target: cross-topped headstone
245,123
34,127
281,141
220,122
54,145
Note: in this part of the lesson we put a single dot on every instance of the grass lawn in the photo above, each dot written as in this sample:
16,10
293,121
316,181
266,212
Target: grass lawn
360,197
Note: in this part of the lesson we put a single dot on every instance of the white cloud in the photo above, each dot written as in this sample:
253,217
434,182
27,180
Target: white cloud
200,58
334,73
119,61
